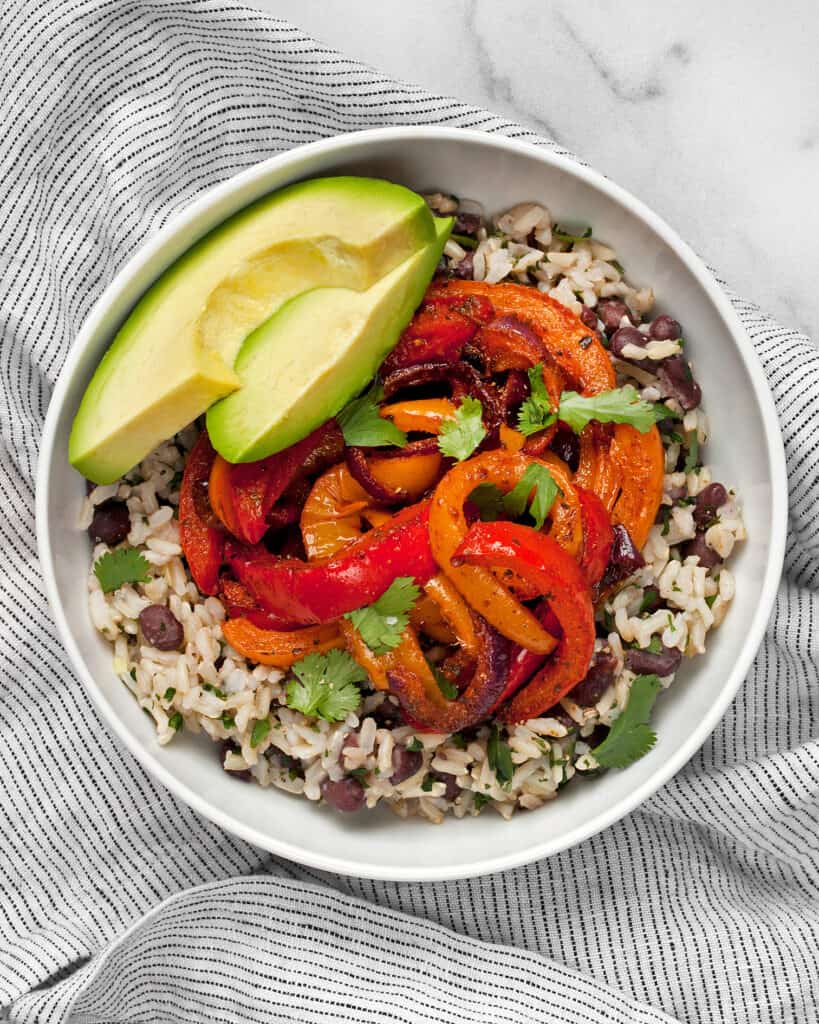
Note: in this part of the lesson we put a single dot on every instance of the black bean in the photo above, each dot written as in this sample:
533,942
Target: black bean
464,269
111,522
645,662
161,628
627,336
611,312
589,317
665,328
706,554
709,500
624,560
229,747
598,679
452,787
404,764
676,379
566,445
346,795
467,224
387,714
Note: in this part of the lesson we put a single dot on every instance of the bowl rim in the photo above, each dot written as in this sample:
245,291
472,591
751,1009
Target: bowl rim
398,135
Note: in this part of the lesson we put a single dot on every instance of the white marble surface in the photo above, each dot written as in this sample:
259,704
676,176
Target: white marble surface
708,110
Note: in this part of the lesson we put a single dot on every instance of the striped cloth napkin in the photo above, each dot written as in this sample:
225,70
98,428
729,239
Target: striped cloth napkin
119,904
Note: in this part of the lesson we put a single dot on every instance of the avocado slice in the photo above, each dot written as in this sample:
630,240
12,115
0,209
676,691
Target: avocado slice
310,358
173,357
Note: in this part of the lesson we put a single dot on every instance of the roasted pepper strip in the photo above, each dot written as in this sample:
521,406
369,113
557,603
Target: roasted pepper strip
556,574
448,527
597,536
280,648
573,347
422,702
420,415
201,536
439,331
305,593
331,517
641,464
244,494
522,663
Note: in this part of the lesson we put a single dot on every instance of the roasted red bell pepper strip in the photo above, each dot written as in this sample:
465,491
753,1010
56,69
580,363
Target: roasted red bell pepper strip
522,663
201,536
439,331
305,593
244,494
553,572
597,536
239,604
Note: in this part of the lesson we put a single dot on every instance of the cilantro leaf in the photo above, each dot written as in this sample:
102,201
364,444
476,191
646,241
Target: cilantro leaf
362,424
489,501
620,405
261,727
539,480
535,412
692,459
325,685
382,623
461,435
565,236
499,756
125,565
630,737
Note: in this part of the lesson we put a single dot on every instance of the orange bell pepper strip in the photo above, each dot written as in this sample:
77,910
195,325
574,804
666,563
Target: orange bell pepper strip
575,350
378,666
200,534
448,527
556,574
281,648
640,461
421,415
597,471
331,517
426,617
412,474
454,610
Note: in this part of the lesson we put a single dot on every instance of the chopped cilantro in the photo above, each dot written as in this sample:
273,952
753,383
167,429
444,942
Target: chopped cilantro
210,688
655,645
499,756
362,424
462,434
488,498
415,744
536,411
457,741
651,597
358,773
261,727
125,565
382,623
479,799
169,694
175,721
692,459
618,266
538,483
566,236
426,785
710,600
465,241
630,737
228,721
325,685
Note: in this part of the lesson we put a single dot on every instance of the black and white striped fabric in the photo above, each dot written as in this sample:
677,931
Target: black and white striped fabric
117,903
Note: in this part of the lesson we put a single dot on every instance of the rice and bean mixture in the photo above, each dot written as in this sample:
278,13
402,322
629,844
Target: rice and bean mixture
167,641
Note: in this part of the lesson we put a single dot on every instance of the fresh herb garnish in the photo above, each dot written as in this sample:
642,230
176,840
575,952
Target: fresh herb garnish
261,727
620,405
710,600
618,266
228,721
363,426
651,598
538,482
382,623
325,685
692,459
536,412
566,236
479,799
488,499
170,693
125,565
499,756
630,737
462,434
655,645
426,785
175,721
415,744
215,691
457,741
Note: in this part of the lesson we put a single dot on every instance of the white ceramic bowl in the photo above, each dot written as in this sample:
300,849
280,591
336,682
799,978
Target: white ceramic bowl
745,451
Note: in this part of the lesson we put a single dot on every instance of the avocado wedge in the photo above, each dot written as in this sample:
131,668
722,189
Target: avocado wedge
309,359
173,357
